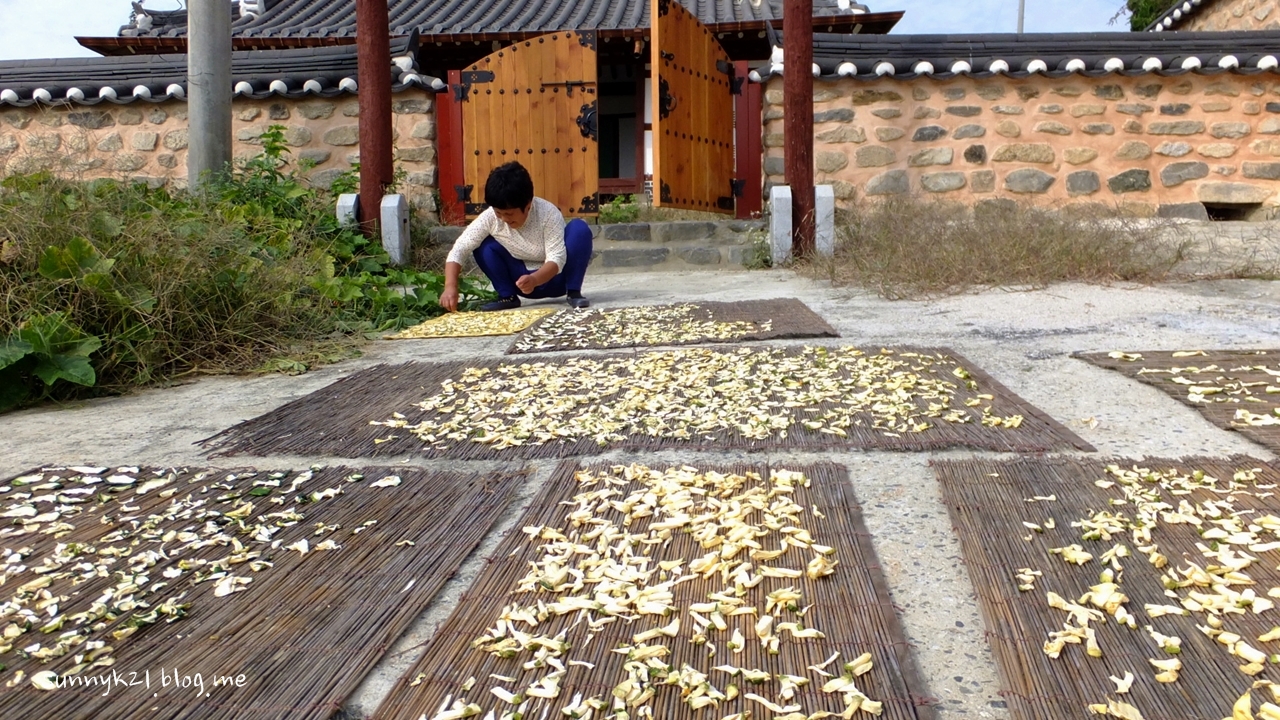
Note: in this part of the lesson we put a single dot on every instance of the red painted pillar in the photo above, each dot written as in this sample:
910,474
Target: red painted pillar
797,86
749,151
373,41
449,144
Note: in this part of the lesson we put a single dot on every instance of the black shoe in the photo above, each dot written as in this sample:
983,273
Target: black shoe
510,303
578,302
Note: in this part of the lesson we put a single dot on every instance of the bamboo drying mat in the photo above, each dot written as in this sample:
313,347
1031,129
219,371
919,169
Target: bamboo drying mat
761,320
304,633
335,421
1236,368
987,502
852,607
474,324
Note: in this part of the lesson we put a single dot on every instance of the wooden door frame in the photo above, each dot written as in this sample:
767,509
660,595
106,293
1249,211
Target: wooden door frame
631,186
642,78
449,133
748,148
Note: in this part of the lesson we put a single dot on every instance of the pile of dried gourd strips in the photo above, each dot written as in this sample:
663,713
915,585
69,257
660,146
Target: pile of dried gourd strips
697,393
474,324
1215,591
600,573
1212,383
632,326
208,529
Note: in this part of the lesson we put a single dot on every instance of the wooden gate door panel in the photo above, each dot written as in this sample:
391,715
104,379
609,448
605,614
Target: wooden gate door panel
535,102
693,106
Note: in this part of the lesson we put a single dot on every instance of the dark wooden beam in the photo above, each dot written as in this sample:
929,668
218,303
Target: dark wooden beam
749,152
797,88
374,49
449,141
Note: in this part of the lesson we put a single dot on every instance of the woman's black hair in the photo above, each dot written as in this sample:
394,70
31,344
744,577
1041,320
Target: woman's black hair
508,187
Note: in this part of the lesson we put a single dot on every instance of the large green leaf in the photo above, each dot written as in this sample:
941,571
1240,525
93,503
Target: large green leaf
77,259
426,296
12,350
107,225
52,334
65,367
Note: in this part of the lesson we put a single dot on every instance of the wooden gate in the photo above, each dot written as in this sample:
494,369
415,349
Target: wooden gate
693,88
534,102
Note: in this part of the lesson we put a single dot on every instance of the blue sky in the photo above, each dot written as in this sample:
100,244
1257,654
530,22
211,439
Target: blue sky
47,28
984,16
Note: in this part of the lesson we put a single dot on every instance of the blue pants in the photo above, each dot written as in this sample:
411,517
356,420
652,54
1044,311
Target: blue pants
503,269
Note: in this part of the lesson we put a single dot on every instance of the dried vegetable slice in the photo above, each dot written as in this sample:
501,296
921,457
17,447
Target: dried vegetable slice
666,593
630,326
1160,575
757,394
474,324
1234,389
108,575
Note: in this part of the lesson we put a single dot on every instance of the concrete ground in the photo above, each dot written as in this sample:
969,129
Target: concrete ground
1023,338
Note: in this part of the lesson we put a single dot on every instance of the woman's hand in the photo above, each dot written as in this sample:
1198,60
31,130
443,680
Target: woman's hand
449,299
527,283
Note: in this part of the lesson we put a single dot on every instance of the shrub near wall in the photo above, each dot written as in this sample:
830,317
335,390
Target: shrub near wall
147,142
1139,141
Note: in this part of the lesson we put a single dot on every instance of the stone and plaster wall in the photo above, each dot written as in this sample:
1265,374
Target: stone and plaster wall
146,142
1234,15
1140,142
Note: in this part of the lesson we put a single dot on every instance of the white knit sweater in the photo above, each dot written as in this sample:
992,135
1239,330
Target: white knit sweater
539,240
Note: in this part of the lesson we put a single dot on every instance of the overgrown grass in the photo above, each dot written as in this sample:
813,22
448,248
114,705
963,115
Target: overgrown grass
649,213
907,247
107,285
638,208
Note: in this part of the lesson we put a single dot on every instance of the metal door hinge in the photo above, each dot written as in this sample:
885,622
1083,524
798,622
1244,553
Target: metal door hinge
468,78
735,82
587,121
667,101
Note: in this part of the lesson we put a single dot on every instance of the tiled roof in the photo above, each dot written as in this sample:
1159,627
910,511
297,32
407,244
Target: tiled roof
1174,16
323,72
1051,54
337,18
159,22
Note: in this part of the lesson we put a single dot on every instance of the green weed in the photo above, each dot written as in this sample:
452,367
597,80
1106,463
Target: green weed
107,285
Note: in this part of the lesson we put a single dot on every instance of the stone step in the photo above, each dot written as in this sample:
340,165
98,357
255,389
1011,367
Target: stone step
676,245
